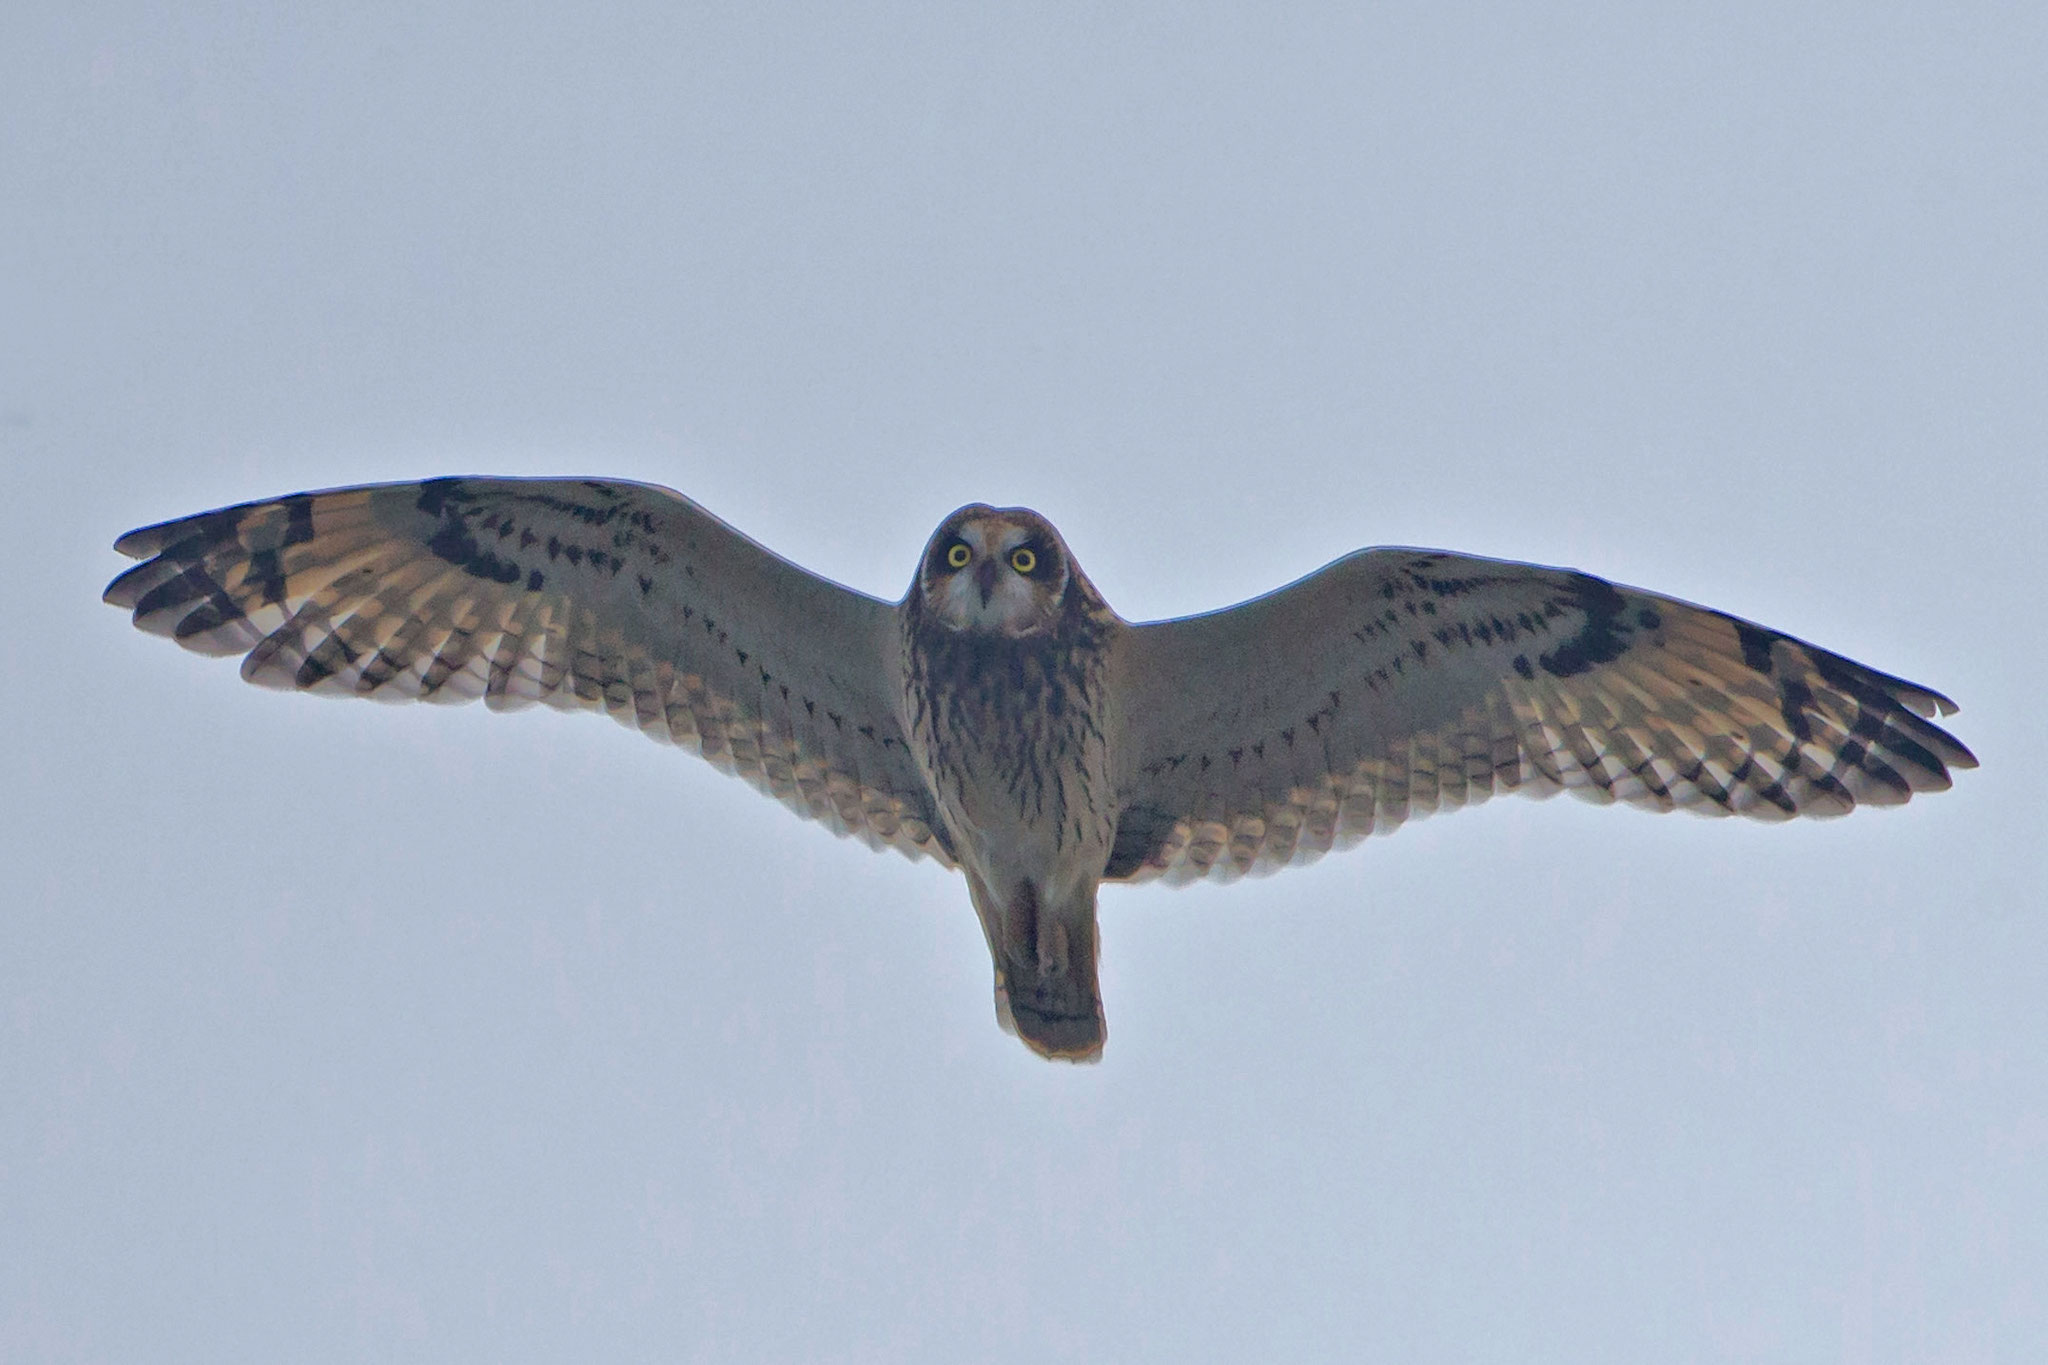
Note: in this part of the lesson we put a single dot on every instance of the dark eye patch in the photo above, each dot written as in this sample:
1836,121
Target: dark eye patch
1043,555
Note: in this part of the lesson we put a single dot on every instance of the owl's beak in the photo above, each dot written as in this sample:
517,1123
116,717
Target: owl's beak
985,579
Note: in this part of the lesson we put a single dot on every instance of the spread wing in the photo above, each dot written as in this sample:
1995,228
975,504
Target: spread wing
1397,682
615,597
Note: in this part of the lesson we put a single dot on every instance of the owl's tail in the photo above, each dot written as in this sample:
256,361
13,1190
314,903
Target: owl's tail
1046,988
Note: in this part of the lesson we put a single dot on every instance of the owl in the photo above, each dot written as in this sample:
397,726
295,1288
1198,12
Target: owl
1003,721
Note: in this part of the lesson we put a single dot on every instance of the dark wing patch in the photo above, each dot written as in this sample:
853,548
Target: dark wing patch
1141,832
1433,681
515,590
1603,635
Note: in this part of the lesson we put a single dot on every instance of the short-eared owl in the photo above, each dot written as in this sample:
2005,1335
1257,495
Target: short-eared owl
1001,719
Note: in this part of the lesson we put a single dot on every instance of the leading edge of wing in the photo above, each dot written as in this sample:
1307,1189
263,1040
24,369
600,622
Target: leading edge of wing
1917,697
153,539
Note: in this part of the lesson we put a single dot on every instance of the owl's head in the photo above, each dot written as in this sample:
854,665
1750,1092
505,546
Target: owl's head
1003,570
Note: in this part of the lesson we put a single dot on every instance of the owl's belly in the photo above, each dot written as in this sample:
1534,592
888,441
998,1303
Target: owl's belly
1010,735
1023,806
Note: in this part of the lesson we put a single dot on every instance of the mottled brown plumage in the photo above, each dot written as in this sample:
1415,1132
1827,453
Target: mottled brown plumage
1002,719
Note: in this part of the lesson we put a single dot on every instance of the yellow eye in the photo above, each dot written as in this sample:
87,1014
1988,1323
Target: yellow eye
958,555
1022,560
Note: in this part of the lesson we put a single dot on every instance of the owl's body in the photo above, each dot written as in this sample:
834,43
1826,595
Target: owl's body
1002,719
1010,721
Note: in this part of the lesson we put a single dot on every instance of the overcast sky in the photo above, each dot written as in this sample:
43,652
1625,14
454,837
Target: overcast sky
340,1032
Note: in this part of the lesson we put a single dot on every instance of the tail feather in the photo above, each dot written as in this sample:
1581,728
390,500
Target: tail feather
1057,1017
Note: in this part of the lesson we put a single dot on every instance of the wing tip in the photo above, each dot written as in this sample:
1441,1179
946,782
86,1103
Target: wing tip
127,588
1922,701
143,541
1954,753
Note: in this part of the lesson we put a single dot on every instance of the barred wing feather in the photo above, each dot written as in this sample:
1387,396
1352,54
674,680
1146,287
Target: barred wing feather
1398,682
622,598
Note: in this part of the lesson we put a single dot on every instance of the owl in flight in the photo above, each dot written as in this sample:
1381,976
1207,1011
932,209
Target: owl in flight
1002,720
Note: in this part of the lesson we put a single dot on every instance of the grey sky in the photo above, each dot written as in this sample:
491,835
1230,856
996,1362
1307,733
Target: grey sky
339,1032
